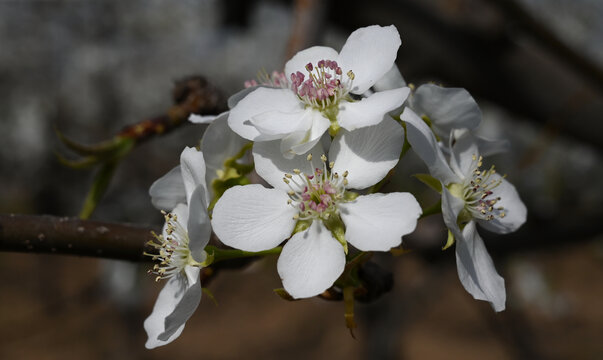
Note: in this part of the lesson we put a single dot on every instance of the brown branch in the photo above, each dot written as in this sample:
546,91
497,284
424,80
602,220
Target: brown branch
73,236
191,95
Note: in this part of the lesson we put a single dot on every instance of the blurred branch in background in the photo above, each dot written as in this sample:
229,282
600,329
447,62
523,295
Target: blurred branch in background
192,95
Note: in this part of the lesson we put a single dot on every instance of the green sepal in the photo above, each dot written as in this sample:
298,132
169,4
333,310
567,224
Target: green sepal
209,259
334,129
301,225
350,196
430,181
210,295
220,186
231,174
337,228
284,294
449,241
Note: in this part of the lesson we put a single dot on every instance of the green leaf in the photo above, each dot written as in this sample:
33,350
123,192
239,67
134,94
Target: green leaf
98,188
430,181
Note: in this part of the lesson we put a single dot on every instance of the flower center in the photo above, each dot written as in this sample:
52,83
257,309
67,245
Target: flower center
173,252
478,192
316,196
325,84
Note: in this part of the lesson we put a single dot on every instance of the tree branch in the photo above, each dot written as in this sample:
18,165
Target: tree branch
73,236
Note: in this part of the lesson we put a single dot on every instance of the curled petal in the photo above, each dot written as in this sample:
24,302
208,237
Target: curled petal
371,110
168,191
198,224
275,124
447,108
253,218
476,269
367,69
174,306
192,165
377,222
367,153
425,145
310,262
257,102
300,142
451,208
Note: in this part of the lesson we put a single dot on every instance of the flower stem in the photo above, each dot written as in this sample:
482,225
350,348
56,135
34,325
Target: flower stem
227,254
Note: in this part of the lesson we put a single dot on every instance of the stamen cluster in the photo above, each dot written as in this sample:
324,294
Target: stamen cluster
173,249
316,196
276,79
325,85
478,192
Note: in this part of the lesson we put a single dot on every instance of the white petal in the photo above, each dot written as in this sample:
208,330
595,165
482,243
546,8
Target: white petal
476,269
218,144
377,222
310,55
271,165
369,52
300,142
167,191
202,119
391,80
451,207
181,212
447,108
367,153
425,145
234,99
463,152
257,102
253,218
198,224
192,165
515,210
174,306
371,110
310,262
488,147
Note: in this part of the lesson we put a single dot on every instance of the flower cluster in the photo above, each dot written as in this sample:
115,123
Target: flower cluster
324,137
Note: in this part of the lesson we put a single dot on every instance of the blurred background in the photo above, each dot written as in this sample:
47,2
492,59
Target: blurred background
89,68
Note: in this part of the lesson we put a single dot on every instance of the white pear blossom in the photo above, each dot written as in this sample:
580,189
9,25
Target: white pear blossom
325,89
255,218
470,195
180,247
